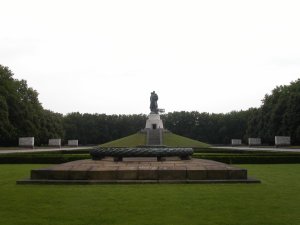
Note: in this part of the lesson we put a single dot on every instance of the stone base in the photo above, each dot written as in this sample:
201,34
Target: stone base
137,170
30,181
154,122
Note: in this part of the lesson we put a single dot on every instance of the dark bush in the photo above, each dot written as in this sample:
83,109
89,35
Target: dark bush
41,158
252,159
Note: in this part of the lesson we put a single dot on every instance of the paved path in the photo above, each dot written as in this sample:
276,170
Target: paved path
243,148
43,149
271,149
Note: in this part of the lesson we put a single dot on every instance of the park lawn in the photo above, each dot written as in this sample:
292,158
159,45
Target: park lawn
129,141
273,202
169,139
174,140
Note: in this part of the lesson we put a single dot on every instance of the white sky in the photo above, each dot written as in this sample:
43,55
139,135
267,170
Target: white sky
107,56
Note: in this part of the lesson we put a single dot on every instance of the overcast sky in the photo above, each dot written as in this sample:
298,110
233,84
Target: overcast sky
107,56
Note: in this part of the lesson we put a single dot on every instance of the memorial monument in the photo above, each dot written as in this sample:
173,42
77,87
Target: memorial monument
154,122
147,164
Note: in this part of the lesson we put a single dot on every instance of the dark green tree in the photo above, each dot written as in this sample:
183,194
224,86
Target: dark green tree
21,113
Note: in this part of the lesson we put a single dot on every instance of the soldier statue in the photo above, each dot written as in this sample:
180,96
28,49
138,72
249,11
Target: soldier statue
153,102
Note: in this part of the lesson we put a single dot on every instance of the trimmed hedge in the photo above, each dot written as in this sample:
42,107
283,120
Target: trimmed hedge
41,158
222,155
254,151
252,159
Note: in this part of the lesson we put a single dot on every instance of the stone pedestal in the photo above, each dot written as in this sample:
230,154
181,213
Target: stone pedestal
154,122
236,142
54,143
135,170
73,143
282,140
254,141
27,142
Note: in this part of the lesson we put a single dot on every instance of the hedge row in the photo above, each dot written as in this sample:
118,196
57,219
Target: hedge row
41,159
230,159
222,155
253,151
252,159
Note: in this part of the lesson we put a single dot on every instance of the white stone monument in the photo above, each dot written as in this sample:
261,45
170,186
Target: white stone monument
154,122
236,142
27,142
73,143
254,141
282,140
54,143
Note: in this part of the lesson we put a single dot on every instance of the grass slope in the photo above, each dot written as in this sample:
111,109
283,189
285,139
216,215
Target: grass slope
174,140
169,139
129,141
274,202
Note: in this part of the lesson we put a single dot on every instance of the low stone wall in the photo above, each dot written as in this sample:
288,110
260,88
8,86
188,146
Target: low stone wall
73,143
27,142
139,171
254,141
54,142
236,142
282,140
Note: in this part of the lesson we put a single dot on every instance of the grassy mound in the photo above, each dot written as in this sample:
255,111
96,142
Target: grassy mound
169,139
129,141
174,140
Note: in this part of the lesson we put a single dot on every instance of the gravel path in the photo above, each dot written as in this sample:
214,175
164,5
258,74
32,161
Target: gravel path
42,149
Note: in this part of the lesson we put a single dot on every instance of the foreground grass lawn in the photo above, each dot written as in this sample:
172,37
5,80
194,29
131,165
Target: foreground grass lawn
275,201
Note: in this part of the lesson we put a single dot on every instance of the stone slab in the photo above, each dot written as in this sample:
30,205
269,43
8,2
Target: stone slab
107,171
103,174
26,142
127,172
216,173
282,140
72,182
54,142
172,172
147,172
73,143
235,174
236,142
196,173
254,141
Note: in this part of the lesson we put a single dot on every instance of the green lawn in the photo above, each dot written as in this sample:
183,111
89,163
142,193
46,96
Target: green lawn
169,139
129,141
274,202
174,140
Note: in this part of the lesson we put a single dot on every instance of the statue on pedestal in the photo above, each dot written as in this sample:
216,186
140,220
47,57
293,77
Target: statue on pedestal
153,102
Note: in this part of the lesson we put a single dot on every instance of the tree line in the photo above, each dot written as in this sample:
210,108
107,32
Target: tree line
21,115
279,115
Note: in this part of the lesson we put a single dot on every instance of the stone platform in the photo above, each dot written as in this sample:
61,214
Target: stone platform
139,170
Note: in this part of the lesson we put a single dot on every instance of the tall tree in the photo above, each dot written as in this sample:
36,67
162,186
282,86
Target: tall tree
21,113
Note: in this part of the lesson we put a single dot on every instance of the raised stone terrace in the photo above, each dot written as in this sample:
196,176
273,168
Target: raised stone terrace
139,170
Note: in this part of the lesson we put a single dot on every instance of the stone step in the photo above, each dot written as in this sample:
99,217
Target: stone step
154,137
107,171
